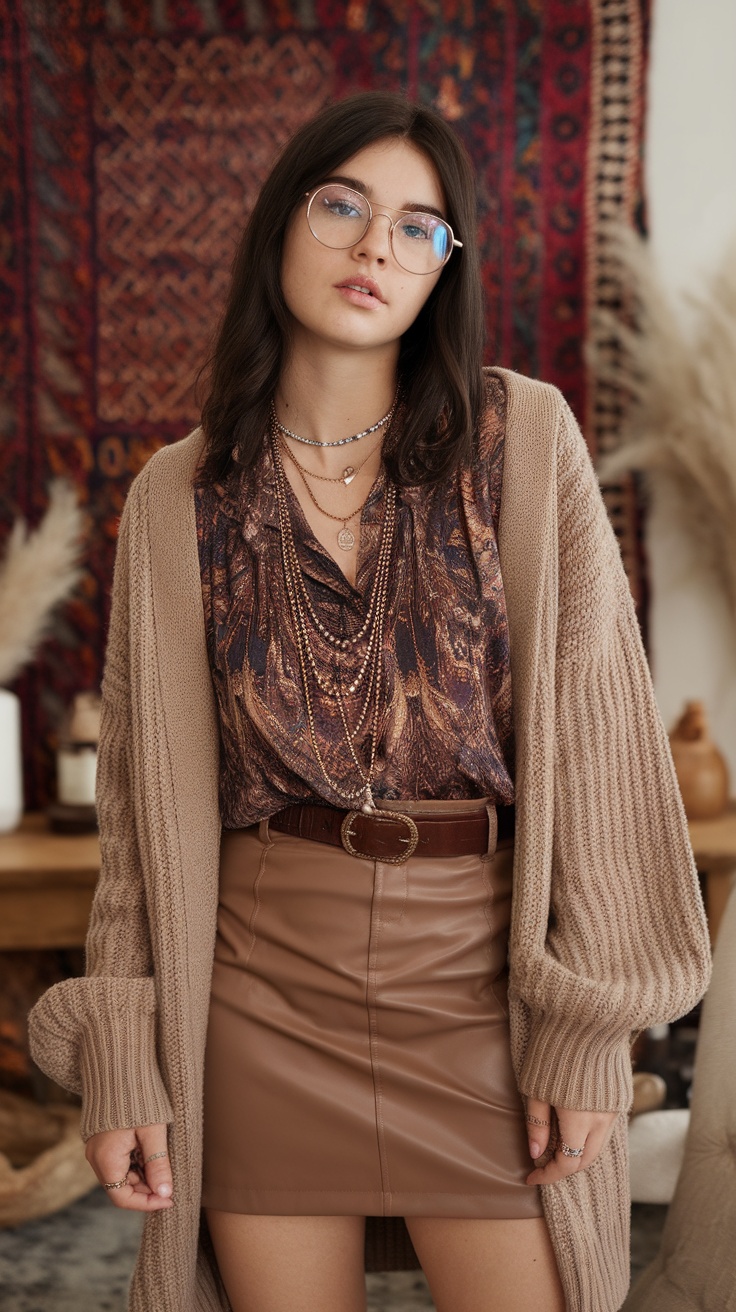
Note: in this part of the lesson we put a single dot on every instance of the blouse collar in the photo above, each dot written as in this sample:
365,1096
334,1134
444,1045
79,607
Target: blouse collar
249,496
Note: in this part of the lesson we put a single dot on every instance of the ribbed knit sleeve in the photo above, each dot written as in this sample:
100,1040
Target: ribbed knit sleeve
621,942
96,1035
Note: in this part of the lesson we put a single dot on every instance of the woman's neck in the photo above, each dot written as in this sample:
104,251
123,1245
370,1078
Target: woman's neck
329,398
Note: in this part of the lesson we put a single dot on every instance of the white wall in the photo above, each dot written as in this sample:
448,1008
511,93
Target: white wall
691,186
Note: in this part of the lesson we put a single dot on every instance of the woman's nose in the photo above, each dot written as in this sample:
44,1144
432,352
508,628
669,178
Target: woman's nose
376,242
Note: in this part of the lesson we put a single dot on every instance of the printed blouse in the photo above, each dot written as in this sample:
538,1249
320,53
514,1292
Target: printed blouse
445,728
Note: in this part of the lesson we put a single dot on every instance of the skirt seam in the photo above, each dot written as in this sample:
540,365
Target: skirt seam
256,901
371,1000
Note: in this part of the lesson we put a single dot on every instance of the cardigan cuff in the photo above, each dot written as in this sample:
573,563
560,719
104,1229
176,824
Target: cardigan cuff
96,1036
586,1070
122,1087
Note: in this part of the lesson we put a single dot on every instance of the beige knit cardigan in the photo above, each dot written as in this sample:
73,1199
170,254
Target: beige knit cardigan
608,933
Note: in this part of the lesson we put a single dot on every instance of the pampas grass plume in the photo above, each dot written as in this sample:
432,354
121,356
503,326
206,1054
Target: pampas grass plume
38,571
681,390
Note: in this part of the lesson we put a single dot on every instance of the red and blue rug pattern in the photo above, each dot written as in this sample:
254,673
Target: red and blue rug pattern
134,138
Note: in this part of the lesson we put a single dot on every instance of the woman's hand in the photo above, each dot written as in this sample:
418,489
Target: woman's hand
113,1154
587,1130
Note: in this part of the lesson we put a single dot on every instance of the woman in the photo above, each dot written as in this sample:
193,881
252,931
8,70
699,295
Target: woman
370,604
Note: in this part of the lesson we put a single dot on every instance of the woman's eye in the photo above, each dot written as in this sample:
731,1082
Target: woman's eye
416,231
342,208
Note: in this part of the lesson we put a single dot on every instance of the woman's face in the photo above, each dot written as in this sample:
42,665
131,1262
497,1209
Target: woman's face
315,278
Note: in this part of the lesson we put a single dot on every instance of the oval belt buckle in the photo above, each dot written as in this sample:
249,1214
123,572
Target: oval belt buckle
346,834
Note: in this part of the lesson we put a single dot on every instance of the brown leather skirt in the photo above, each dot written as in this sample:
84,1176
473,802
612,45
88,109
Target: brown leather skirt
357,1058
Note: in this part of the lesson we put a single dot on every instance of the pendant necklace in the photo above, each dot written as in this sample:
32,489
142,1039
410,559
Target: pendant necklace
345,537
346,477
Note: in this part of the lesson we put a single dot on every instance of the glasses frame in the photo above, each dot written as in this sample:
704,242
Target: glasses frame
419,274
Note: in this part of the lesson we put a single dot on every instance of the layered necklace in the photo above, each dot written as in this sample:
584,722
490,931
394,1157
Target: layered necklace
366,644
345,537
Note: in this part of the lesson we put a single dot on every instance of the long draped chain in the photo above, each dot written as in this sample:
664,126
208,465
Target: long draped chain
370,633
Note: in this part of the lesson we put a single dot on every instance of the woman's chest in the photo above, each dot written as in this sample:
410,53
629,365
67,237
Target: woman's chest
437,590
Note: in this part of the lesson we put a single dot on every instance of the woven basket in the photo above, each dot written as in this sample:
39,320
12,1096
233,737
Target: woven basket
42,1163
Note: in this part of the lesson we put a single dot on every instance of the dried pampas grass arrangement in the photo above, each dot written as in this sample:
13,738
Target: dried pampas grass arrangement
680,389
38,571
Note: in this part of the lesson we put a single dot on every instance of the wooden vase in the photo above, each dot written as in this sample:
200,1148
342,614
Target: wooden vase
702,772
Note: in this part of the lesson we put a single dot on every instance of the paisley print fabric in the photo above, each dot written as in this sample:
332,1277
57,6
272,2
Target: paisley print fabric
445,726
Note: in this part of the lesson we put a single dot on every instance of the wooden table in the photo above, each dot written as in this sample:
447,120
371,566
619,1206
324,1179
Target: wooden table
714,845
46,885
47,879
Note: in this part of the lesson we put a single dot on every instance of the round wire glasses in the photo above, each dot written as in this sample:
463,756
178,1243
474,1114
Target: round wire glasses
339,217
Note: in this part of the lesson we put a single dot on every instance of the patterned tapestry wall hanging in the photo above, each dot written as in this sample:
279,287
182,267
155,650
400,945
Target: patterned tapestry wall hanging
134,138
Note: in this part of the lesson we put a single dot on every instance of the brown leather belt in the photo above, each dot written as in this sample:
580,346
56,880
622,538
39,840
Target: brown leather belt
392,836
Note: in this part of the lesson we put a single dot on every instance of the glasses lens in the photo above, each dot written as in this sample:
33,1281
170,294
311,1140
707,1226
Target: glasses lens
338,216
422,243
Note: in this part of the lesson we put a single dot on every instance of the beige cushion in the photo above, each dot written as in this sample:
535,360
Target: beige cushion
656,1150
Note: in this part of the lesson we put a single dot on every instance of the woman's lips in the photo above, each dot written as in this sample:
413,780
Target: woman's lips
369,299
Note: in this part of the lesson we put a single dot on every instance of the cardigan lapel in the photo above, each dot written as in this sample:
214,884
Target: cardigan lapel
528,553
527,543
188,758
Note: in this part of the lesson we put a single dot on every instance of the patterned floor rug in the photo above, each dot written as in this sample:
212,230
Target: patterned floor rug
80,1259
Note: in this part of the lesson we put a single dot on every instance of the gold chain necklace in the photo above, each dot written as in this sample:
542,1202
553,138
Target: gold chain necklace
373,693
337,640
293,578
346,537
347,475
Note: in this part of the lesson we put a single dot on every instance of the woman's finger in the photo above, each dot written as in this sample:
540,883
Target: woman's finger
112,1165
538,1125
137,1172
558,1167
598,1136
156,1160
575,1131
137,1198
135,1201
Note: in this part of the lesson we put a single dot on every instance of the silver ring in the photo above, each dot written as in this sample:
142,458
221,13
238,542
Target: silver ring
567,1151
153,1156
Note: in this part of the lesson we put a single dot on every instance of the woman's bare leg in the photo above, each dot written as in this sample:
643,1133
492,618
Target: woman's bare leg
487,1266
290,1263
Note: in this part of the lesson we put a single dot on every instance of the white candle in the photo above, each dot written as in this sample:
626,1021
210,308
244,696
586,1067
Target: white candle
76,772
11,765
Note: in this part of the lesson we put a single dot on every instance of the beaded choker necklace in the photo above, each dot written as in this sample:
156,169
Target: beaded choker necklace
342,441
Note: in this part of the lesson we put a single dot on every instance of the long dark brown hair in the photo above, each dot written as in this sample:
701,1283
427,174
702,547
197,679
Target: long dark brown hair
441,354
